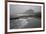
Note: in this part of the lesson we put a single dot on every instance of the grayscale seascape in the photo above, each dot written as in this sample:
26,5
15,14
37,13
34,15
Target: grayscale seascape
25,16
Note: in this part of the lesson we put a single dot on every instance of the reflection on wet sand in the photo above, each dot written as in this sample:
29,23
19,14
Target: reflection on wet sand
29,22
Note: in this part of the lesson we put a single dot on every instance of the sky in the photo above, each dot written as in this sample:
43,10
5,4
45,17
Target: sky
17,9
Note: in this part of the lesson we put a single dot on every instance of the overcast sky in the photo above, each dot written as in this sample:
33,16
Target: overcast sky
23,8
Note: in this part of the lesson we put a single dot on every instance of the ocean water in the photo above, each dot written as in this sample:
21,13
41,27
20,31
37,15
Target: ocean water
29,22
